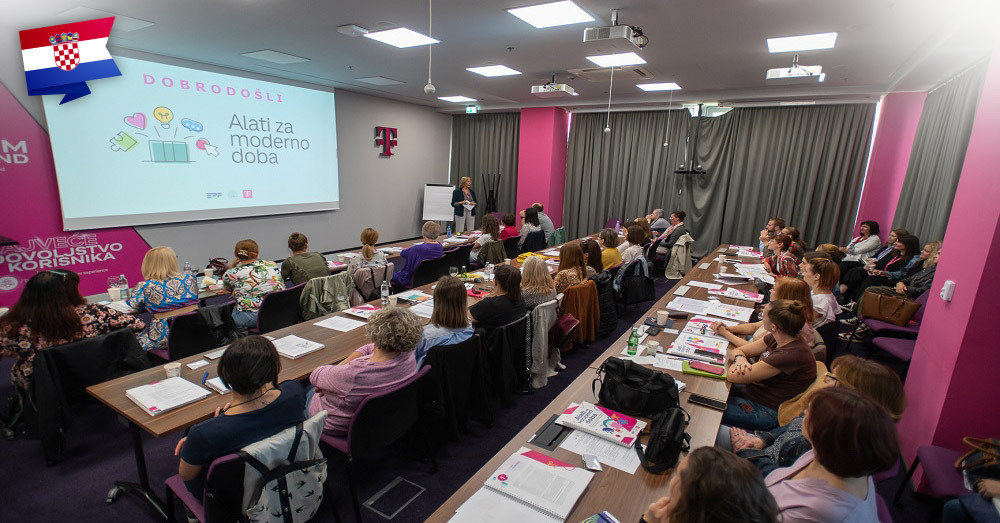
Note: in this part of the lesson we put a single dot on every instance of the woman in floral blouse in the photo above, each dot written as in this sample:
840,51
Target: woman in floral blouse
164,289
50,312
250,279
782,262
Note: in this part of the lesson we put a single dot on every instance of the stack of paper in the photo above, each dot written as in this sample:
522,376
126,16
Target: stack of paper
730,312
340,323
608,453
688,305
424,310
739,294
415,297
292,346
162,396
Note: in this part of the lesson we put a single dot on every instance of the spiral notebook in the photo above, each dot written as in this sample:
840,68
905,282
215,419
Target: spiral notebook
540,482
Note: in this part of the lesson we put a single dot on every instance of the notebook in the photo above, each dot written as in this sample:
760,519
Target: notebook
541,482
292,346
602,422
162,396
686,369
217,385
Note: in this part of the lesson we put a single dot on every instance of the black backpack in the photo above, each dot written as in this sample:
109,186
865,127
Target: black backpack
633,389
667,439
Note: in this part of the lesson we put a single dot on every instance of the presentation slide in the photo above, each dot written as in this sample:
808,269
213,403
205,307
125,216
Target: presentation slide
163,144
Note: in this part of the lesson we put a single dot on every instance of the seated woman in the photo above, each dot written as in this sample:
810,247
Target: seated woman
785,288
491,232
509,230
782,262
530,224
250,279
622,245
782,446
977,507
852,437
672,233
799,246
832,251
260,408
302,265
647,233
572,269
50,312
371,369
502,305
821,275
633,236
852,276
919,282
710,484
536,283
861,246
785,369
592,256
164,289
906,260
610,255
450,320
370,256
657,222
412,256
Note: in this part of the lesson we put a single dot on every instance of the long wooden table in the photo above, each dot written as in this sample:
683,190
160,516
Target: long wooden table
625,495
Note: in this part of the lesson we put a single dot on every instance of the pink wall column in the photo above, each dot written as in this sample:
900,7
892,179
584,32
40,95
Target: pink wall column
891,154
541,162
952,386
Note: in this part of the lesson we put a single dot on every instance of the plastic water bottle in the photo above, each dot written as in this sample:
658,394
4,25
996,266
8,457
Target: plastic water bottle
187,268
633,342
489,271
123,285
449,231
464,273
385,292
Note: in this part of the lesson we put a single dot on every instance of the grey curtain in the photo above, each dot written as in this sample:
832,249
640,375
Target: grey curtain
804,164
621,174
937,156
484,144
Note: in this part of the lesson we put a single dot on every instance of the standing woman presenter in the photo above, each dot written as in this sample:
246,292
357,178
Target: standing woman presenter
465,218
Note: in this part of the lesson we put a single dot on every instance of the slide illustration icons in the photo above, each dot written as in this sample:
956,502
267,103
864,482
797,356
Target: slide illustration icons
165,147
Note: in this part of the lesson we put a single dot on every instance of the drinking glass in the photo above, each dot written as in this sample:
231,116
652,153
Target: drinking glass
453,271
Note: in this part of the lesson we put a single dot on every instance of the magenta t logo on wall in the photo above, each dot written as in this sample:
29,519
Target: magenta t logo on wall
60,59
386,137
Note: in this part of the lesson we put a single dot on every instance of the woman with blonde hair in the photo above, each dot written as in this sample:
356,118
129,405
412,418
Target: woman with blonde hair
370,256
917,283
163,289
463,196
250,279
536,282
450,320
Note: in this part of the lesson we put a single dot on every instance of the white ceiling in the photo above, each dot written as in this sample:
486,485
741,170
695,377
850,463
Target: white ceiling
715,49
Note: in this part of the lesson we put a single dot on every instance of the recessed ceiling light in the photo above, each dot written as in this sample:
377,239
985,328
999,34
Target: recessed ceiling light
456,99
552,14
802,43
493,70
801,102
379,80
122,23
401,37
668,86
797,71
268,55
614,60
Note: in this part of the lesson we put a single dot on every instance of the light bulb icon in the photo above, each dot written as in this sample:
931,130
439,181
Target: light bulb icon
163,115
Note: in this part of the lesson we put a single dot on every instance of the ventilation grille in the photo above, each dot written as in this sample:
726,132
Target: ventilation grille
603,74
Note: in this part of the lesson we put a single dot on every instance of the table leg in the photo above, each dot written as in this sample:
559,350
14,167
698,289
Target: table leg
142,488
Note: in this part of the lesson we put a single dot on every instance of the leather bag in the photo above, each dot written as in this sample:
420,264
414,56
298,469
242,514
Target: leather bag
982,461
889,309
633,389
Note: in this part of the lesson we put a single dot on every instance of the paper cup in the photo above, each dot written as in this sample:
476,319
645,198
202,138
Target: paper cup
652,347
662,317
208,272
115,293
173,369
507,261
393,299
722,258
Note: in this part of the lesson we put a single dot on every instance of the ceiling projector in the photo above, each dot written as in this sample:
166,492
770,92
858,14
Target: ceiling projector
550,90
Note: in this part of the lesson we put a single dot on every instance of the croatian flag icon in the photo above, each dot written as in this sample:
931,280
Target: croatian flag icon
59,59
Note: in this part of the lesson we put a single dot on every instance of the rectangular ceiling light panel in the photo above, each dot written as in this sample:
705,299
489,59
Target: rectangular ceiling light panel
493,70
552,14
617,59
276,57
456,99
401,37
788,44
667,86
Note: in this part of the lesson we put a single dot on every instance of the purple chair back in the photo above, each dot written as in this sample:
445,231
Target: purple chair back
387,416
884,516
922,300
280,309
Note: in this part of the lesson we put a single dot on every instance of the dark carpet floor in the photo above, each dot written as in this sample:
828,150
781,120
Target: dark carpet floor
99,452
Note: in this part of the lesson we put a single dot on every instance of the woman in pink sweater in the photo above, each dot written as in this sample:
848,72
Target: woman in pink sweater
373,368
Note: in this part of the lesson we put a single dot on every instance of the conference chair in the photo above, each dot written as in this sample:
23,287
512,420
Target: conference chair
900,348
654,257
583,302
544,358
605,302
187,336
510,246
558,237
279,309
534,242
829,334
882,328
428,271
942,480
492,252
61,375
457,257
633,285
509,359
882,509
368,283
455,390
381,420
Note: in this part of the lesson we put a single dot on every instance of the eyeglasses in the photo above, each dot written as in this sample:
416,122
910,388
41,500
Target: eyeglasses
831,379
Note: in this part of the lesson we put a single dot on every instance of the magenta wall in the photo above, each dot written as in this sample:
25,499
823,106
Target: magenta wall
952,386
897,126
541,162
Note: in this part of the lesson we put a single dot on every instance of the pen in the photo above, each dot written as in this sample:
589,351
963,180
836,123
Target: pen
204,378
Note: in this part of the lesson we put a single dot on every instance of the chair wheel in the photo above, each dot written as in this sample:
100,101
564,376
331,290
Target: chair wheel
112,495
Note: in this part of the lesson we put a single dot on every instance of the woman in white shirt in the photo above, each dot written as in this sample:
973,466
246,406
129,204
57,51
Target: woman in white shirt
863,245
633,252
491,233
821,275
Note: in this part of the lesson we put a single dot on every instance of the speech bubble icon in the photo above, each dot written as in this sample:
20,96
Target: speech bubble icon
192,125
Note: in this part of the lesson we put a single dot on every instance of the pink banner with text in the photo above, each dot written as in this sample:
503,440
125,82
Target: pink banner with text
31,216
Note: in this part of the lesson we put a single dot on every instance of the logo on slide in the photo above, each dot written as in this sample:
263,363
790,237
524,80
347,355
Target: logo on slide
13,153
386,137
171,143
59,59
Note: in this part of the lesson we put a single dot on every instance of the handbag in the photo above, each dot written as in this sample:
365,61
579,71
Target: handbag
219,266
561,333
982,461
633,389
667,439
889,309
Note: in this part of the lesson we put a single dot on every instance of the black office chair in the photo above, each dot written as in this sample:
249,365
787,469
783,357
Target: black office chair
280,309
509,359
189,335
457,257
534,242
456,389
510,246
428,271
